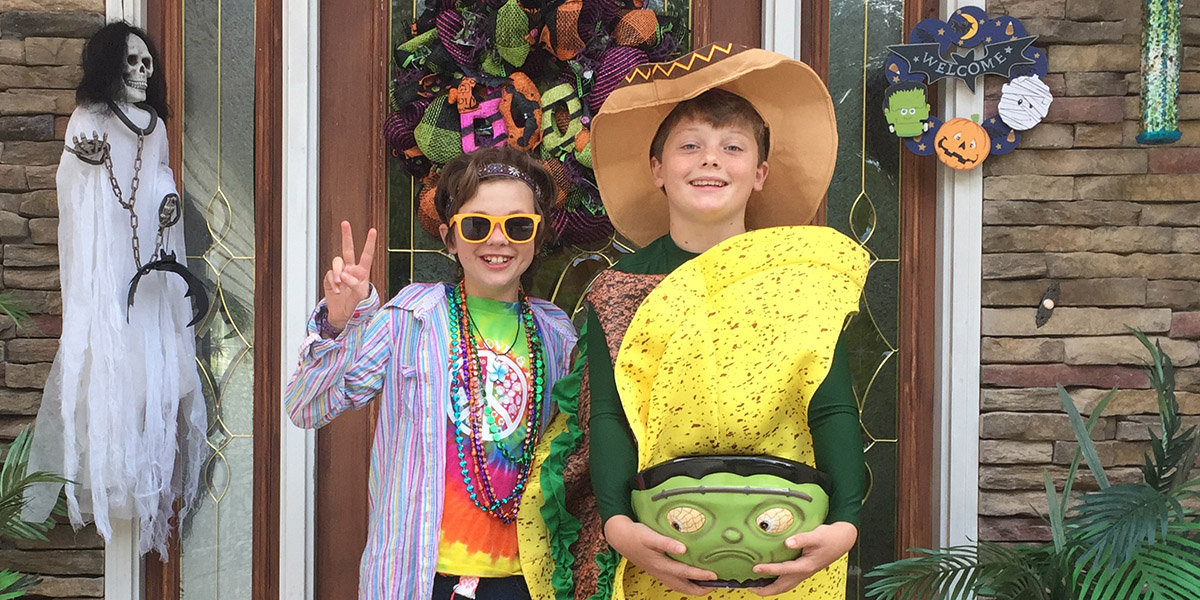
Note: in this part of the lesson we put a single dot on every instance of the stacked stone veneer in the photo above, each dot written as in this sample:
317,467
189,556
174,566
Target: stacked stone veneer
40,44
1117,225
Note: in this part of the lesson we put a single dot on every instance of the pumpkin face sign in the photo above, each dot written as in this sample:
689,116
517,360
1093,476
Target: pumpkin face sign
962,144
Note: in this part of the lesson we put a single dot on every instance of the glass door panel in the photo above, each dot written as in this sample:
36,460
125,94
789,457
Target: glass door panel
864,203
218,187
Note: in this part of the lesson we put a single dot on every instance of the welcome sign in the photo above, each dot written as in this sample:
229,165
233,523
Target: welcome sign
998,59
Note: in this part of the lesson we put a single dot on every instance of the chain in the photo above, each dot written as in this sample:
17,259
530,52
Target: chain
133,188
169,211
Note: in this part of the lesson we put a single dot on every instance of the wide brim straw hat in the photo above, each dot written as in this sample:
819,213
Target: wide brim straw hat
788,95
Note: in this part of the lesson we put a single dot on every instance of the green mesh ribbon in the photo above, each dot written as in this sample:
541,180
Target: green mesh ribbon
493,65
1160,72
439,134
512,25
561,97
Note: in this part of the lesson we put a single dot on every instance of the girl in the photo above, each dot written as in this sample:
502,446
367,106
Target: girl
465,370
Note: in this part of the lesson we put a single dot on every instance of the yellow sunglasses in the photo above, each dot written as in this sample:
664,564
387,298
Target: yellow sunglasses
476,228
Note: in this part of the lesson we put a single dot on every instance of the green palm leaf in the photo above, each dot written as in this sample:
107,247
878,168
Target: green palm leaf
1173,455
14,479
14,585
1113,523
1058,509
11,308
1168,570
1084,438
962,572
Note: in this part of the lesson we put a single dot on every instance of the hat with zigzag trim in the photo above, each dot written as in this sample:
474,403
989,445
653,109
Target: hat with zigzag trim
788,95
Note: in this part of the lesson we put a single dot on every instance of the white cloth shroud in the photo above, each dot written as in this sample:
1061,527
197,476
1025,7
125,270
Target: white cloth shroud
123,413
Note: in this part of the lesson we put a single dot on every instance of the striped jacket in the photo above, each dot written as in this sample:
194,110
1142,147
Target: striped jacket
402,350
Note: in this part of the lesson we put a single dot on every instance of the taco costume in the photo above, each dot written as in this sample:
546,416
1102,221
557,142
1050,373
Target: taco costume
734,351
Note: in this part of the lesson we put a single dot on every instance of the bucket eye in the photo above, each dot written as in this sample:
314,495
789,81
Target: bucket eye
775,520
685,519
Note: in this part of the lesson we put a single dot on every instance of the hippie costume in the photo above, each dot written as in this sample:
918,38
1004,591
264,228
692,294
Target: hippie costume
465,389
731,352
399,350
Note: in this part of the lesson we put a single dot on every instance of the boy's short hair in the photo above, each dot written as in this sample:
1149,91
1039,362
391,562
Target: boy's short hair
719,108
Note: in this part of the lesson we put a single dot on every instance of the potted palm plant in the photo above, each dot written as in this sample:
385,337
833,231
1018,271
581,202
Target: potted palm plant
14,479
1123,541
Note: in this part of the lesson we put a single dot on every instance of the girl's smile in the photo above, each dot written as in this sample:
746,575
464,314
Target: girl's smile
493,268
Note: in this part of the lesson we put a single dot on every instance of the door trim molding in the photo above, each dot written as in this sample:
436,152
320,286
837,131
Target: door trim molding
298,280
960,255
268,264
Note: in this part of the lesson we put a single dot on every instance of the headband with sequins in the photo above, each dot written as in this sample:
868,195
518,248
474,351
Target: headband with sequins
491,170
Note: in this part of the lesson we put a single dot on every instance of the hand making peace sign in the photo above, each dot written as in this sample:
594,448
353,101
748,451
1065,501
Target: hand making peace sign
348,282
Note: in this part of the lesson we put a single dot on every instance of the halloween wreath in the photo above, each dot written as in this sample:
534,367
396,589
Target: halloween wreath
527,73
1007,51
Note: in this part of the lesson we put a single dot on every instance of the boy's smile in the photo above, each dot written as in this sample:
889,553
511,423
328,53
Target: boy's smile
708,172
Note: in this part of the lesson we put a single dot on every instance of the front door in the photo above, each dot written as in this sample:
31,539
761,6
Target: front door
879,197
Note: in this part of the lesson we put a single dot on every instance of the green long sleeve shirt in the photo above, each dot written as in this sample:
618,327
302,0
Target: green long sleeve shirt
832,413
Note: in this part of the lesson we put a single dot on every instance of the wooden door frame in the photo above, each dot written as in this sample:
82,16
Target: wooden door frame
355,35
915,493
165,26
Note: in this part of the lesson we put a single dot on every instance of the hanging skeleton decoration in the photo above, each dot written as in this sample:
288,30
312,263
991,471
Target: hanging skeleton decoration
138,68
123,414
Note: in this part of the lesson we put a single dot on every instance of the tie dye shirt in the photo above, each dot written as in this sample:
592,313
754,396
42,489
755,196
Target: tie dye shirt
473,542
399,352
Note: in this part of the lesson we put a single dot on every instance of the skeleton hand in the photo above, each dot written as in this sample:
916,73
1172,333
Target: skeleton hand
169,211
91,150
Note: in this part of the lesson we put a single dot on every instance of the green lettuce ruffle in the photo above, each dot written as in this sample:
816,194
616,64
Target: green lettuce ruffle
562,526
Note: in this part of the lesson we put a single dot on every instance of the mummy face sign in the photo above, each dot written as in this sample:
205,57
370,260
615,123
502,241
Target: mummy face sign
139,66
1024,102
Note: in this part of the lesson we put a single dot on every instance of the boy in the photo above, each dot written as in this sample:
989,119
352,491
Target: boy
718,114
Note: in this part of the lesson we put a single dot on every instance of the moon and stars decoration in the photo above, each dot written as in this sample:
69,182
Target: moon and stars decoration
996,46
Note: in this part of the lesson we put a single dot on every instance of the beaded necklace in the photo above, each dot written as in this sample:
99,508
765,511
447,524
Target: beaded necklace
467,383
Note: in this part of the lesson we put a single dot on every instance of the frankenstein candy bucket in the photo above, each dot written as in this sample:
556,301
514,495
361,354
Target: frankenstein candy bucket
732,512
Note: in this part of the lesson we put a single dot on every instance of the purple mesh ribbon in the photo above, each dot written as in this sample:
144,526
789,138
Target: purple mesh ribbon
400,125
579,226
615,63
449,25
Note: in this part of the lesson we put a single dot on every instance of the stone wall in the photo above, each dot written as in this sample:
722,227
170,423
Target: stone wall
1117,225
40,44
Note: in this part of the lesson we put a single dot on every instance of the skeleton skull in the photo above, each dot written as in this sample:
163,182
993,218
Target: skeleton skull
138,69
